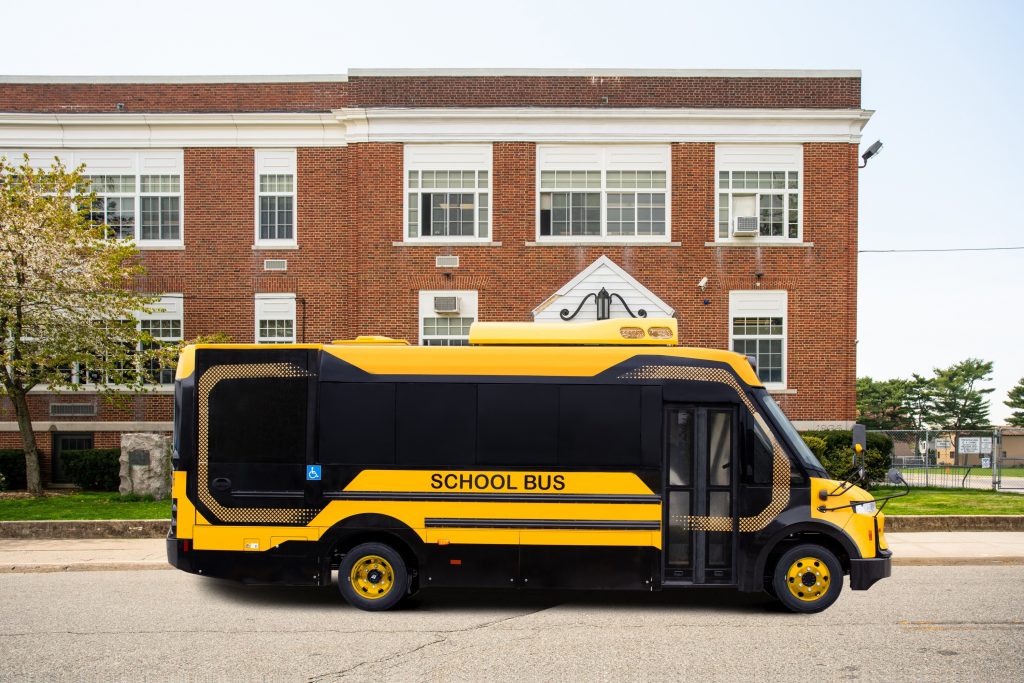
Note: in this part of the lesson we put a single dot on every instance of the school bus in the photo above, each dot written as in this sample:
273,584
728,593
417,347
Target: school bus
595,455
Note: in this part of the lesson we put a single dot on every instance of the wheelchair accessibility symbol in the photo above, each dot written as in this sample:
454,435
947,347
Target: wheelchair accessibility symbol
313,473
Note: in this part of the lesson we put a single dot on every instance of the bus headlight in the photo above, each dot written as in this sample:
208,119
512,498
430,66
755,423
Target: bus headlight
865,508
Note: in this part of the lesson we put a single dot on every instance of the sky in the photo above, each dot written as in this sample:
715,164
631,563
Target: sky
944,78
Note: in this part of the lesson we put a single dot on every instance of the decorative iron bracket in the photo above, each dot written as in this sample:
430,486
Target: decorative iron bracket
603,300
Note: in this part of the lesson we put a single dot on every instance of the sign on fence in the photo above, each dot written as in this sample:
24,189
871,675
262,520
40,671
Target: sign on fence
986,462
986,445
943,444
969,445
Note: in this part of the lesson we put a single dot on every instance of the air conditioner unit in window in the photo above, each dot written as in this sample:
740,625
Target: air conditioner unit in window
446,304
745,226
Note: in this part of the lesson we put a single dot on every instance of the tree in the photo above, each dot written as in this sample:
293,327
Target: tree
882,404
66,302
1015,400
918,400
956,401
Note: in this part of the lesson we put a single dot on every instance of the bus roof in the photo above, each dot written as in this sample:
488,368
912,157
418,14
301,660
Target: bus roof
568,349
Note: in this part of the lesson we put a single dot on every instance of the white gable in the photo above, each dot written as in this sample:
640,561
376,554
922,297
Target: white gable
601,273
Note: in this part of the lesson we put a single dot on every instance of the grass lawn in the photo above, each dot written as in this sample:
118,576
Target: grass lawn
935,501
81,505
975,471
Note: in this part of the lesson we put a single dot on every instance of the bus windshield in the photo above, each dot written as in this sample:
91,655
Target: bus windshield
807,457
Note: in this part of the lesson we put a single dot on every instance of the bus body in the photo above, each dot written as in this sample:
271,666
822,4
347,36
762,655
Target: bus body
590,455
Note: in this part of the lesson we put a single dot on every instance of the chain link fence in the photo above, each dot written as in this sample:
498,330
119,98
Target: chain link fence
972,459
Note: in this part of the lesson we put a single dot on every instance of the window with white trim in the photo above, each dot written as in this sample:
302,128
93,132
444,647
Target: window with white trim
445,317
758,192
615,192
163,324
138,194
757,328
275,197
275,318
448,192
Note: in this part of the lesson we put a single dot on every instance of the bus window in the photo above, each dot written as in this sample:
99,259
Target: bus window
517,424
357,423
262,422
436,424
680,442
599,425
757,470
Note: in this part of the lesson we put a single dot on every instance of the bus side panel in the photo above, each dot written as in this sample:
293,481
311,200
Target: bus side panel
471,566
293,563
589,567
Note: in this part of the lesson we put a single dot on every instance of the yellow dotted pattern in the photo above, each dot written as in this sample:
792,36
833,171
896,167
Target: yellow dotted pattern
207,382
780,463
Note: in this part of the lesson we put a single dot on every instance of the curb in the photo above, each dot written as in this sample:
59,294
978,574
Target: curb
75,528
83,567
157,528
912,523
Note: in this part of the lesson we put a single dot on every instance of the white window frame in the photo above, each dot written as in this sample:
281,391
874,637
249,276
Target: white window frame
468,308
604,158
274,307
168,307
122,162
757,303
760,158
276,162
449,157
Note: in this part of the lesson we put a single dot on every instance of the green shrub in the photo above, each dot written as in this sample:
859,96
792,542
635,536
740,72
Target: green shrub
3,483
816,444
93,469
836,453
12,467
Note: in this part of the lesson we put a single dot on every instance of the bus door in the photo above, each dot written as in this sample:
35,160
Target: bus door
700,494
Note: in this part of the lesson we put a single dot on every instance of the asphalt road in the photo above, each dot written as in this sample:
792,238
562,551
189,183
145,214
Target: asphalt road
925,623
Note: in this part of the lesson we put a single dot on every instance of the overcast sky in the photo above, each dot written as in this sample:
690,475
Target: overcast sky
945,79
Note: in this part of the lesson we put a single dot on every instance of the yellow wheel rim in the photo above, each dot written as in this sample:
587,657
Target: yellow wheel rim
808,579
372,577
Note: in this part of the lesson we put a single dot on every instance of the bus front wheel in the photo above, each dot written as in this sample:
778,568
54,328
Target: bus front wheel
373,576
807,578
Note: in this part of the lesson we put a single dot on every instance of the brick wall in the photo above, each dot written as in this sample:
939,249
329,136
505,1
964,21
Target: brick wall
435,91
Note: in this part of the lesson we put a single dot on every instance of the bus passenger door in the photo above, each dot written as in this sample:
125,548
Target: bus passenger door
700,494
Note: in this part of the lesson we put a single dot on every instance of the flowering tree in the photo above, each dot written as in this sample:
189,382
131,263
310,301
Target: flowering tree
67,309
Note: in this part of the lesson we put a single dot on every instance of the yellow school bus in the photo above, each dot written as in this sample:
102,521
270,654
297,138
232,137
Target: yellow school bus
584,455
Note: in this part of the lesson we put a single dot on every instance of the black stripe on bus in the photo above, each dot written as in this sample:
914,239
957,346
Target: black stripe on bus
616,524
640,498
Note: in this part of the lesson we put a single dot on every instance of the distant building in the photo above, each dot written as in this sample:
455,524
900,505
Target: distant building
409,203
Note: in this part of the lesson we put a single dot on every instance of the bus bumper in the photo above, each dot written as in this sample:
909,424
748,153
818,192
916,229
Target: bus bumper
292,564
864,573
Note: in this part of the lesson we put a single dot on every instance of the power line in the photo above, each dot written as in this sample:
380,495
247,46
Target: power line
906,251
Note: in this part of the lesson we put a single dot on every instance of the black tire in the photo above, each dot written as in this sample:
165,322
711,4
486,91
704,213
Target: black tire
807,587
390,579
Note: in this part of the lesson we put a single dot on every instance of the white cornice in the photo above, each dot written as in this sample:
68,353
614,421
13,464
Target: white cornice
169,130
610,73
163,80
529,124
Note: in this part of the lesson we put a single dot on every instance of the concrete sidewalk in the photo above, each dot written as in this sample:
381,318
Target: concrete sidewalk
925,548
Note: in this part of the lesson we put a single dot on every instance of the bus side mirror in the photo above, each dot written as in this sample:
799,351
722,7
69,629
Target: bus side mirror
860,442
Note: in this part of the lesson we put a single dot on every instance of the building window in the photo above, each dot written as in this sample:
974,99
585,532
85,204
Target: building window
275,318
618,192
275,197
163,324
757,328
449,204
445,317
447,192
145,208
771,199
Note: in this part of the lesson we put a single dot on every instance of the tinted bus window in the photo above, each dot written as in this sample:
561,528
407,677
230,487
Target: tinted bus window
436,424
357,424
517,424
599,425
258,420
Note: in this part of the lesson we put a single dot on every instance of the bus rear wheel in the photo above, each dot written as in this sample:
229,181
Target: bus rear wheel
807,578
373,577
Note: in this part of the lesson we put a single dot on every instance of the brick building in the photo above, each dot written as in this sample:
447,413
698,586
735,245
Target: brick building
409,203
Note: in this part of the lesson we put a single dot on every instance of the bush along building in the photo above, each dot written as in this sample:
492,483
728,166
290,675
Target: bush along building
410,203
